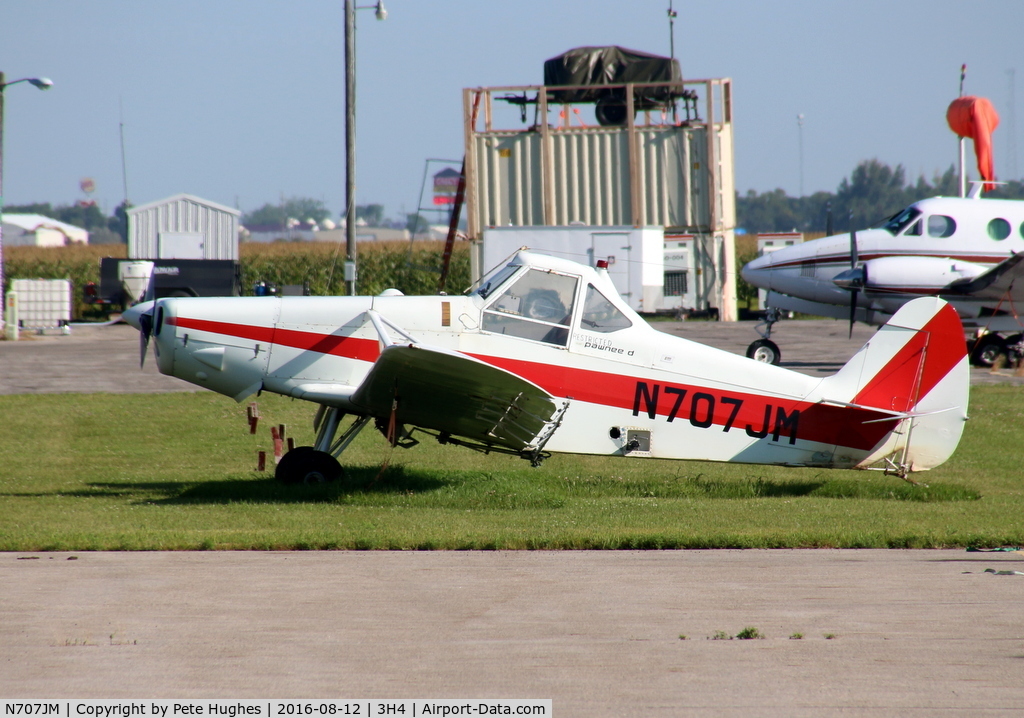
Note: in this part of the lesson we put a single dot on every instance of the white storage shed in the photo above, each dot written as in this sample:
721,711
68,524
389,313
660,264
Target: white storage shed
183,227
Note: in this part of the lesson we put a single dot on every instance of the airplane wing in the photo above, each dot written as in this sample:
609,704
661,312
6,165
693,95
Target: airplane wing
1000,282
455,393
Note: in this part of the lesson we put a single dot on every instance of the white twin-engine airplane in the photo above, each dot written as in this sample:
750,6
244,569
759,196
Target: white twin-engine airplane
967,250
544,356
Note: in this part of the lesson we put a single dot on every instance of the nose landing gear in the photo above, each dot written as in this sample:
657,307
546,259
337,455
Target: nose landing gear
764,349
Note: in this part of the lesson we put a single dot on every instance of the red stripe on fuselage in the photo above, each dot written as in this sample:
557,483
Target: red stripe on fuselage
822,423
349,347
843,261
698,405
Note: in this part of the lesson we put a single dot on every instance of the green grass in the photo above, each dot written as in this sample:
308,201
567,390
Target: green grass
177,471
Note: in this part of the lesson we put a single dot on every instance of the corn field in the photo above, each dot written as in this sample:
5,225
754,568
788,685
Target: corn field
413,268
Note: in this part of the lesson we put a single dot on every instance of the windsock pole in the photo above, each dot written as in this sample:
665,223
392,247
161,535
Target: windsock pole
963,176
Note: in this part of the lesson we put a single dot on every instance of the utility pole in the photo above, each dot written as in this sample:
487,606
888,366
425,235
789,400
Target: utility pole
350,147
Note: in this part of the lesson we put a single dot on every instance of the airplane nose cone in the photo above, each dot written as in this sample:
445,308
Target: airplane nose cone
133,314
758,271
854,278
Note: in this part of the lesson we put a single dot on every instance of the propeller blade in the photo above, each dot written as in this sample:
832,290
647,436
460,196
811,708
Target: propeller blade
853,311
829,230
853,265
145,330
853,243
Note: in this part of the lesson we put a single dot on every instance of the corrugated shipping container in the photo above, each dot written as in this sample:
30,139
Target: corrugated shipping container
591,177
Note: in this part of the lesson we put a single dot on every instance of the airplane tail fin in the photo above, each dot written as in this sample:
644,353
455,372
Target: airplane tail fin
915,373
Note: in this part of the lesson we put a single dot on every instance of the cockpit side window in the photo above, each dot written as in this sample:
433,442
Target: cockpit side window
939,225
600,315
901,220
913,230
537,306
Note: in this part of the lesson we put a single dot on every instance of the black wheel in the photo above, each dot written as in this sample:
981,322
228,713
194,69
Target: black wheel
306,465
987,349
1015,348
610,111
764,350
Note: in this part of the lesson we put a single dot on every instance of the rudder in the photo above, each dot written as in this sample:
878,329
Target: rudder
916,366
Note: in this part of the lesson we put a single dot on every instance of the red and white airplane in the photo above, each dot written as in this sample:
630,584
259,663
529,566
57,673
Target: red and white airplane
544,356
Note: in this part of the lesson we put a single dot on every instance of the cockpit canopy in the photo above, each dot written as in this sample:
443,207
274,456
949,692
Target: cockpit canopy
908,223
540,304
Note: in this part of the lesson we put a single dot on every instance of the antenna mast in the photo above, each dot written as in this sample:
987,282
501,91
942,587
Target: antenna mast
672,47
124,165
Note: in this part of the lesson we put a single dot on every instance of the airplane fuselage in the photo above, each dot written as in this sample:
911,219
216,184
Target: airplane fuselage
919,252
622,388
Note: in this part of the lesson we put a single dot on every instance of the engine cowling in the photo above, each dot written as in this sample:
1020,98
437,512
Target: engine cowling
907,275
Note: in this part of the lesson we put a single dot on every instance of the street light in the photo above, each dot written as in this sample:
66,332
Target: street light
350,135
43,83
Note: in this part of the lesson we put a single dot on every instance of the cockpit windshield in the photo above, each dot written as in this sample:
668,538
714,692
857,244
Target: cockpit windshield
901,220
496,279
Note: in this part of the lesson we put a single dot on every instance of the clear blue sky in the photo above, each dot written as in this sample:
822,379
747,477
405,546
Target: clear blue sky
242,101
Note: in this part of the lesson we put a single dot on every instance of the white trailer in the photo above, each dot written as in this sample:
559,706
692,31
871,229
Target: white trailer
635,256
681,275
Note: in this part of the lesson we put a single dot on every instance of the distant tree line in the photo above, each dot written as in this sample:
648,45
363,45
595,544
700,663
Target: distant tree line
303,208
873,192
114,229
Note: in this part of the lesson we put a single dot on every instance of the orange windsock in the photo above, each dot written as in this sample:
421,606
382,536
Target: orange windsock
975,117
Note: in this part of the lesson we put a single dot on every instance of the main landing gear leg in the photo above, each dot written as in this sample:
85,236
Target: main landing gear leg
764,349
318,463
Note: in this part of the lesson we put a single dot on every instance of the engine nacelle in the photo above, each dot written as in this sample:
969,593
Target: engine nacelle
916,275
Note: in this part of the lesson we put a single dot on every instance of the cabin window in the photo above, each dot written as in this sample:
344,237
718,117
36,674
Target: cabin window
538,306
600,315
901,220
998,228
939,225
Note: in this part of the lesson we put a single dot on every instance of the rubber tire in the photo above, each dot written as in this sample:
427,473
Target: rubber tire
987,349
1013,352
610,111
765,351
306,465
